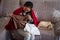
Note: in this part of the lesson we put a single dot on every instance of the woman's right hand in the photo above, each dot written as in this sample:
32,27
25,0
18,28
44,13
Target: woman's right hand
10,15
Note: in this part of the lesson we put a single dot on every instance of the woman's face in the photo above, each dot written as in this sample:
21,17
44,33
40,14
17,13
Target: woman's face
26,9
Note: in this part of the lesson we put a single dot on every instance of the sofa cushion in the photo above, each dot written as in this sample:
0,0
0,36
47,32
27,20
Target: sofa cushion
57,28
47,34
56,16
56,21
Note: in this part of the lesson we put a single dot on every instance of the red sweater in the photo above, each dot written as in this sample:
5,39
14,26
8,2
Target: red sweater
10,25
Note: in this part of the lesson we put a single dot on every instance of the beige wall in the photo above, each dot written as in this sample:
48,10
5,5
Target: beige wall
10,5
1,7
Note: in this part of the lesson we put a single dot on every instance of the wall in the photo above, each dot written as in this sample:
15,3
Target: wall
1,7
10,6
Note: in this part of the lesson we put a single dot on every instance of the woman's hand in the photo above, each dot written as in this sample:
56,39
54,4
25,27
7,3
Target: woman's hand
30,18
10,15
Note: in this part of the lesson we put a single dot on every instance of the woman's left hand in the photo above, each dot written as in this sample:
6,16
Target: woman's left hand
30,18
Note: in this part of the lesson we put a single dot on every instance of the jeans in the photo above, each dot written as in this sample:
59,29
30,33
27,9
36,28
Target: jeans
27,35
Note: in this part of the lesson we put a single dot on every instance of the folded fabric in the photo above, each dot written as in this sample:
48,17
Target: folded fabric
45,24
19,21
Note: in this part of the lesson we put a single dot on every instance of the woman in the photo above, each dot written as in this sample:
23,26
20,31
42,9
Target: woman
26,9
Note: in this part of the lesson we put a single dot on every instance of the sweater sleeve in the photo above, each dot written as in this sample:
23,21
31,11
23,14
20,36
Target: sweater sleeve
10,25
34,18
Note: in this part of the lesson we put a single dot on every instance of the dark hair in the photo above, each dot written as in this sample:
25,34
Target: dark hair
28,4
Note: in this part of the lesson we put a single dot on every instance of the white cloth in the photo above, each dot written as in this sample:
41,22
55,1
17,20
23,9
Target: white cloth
31,28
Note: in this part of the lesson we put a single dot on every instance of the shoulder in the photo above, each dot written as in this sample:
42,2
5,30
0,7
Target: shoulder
34,13
18,10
